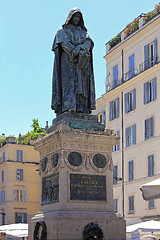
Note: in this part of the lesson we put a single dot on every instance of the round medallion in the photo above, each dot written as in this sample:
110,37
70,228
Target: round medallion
99,160
44,163
55,160
75,159
93,231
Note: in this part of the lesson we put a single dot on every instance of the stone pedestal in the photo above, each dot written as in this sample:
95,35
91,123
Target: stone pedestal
76,181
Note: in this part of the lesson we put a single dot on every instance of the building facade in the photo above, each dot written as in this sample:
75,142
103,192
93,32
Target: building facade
19,182
131,107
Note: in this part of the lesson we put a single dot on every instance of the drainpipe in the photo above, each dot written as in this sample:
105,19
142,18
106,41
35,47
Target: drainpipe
122,157
122,140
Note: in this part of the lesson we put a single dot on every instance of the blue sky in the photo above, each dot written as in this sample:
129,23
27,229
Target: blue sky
27,30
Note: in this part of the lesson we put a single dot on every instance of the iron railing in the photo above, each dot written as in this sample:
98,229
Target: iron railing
129,75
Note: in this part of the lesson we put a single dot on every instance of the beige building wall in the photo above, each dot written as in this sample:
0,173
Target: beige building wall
139,152
23,204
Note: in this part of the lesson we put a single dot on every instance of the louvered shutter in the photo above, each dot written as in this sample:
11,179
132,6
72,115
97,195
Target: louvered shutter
126,102
151,122
117,107
118,145
110,110
115,76
15,195
154,88
131,66
134,99
146,129
145,92
155,51
24,216
146,56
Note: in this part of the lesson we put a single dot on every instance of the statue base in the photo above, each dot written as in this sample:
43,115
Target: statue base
76,193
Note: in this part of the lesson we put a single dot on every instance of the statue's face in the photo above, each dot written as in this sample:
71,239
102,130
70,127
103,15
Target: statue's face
76,19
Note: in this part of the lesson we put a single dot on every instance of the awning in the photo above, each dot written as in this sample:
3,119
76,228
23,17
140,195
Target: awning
16,230
148,226
151,190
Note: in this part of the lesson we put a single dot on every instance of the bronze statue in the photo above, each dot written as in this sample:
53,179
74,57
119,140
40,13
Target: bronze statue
73,80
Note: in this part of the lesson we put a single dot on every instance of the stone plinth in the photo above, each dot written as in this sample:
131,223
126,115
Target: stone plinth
76,183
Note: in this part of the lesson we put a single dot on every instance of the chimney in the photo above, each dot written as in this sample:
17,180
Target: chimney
46,127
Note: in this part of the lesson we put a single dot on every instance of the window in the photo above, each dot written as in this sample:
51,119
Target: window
130,101
117,146
131,135
115,174
151,165
19,195
149,128
116,204
150,54
131,66
151,204
115,76
19,174
131,170
20,217
150,91
3,176
131,204
114,109
2,196
101,117
4,157
19,155
3,218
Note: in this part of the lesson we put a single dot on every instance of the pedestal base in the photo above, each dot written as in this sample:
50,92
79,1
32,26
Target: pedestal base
69,225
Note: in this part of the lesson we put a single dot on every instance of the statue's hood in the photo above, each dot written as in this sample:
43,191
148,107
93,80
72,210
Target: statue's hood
71,13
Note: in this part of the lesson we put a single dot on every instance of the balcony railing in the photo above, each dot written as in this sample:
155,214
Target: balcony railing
129,75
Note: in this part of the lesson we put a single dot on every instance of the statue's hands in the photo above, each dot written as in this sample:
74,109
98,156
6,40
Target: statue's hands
76,51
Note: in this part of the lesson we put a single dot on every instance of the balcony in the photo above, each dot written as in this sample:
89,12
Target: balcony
131,74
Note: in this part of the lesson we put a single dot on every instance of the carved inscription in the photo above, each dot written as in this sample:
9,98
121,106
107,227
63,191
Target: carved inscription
87,187
50,189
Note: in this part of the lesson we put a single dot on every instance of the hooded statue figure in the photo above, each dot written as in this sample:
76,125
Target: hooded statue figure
73,80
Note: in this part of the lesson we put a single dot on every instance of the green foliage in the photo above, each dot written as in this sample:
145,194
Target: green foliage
153,13
131,27
2,141
33,135
115,40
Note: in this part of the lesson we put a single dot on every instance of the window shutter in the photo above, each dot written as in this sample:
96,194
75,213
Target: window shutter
154,88
134,99
146,56
24,195
17,155
3,157
155,51
15,195
16,220
131,66
115,76
110,110
118,145
152,165
151,127
126,102
21,155
134,134
146,129
127,137
117,107
145,92
24,217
